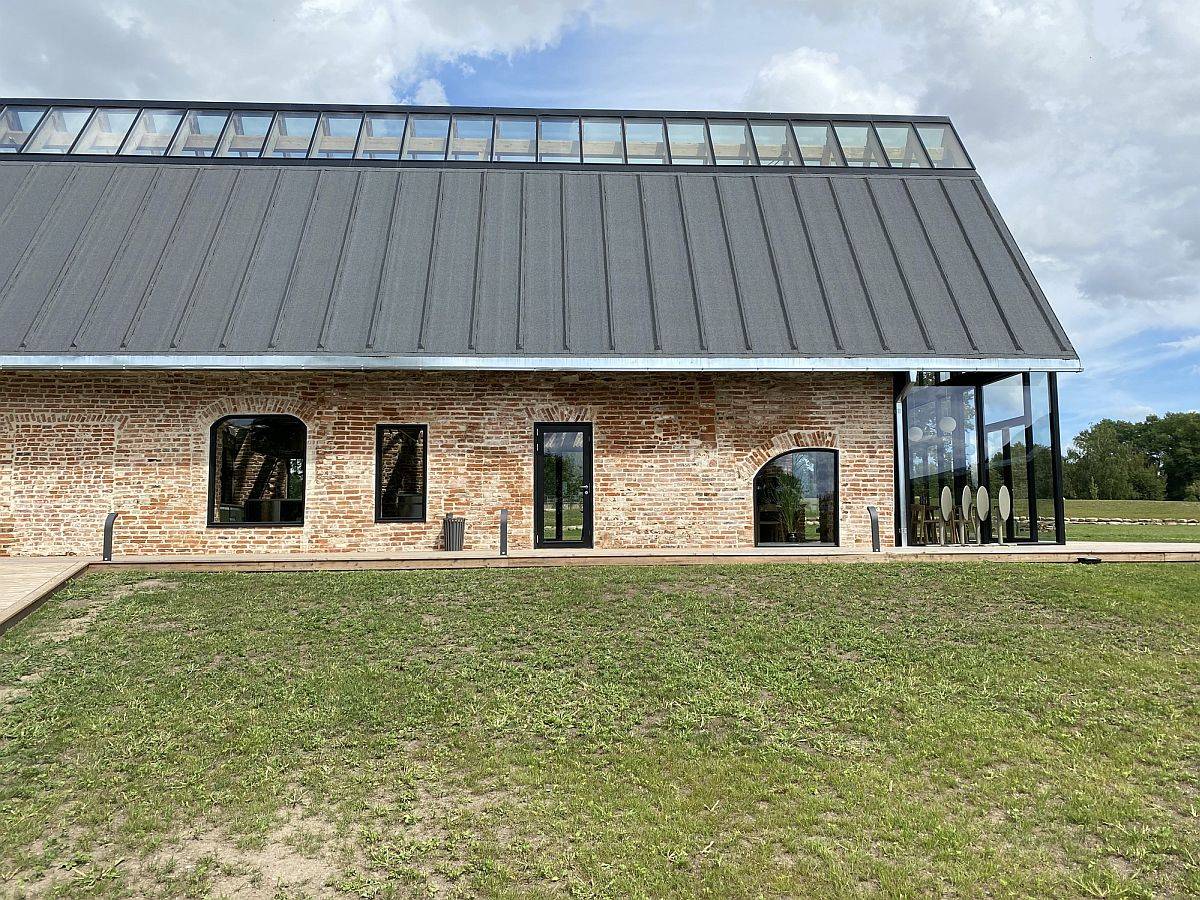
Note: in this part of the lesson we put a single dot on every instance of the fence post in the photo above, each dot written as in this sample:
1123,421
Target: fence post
504,532
108,536
874,514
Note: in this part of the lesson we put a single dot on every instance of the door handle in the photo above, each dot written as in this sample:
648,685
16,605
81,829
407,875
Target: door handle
587,489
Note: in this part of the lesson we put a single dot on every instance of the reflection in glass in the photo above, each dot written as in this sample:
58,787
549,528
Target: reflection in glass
199,133
900,143
944,149
58,130
731,143
860,146
563,473
257,470
516,139
15,124
152,134
400,461
1042,455
245,134
795,499
471,138
426,138
382,136
774,143
689,142
105,131
645,141
817,143
940,432
291,135
337,135
602,141
558,140
1005,415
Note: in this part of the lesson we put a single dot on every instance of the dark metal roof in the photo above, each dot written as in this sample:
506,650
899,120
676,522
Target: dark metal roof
144,263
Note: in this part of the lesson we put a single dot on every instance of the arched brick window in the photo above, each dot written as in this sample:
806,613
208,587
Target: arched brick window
256,471
796,499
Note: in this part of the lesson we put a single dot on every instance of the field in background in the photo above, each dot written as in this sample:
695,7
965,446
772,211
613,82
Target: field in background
1187,534
1133,509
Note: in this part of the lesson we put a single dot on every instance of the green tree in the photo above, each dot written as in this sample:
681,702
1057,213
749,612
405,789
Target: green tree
1105,464
1172,442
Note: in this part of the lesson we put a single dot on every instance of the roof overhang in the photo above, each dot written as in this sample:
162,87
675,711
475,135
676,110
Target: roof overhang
327,362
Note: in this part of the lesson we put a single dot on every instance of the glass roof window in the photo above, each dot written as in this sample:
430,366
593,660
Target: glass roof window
337,135
105,132
775,144
689,142
245,134
731,143
199,133
900,143
558,140
516,139
646,142
151,135
290,135
817,144
860,146
944,149
426,138
58,130
382,136
471,138
602,141
15,124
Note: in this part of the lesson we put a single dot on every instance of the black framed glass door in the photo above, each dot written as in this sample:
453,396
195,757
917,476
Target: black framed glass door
562,485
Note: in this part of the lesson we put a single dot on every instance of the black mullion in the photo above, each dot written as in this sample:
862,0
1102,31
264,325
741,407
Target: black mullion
1029,461
558,497
1060,518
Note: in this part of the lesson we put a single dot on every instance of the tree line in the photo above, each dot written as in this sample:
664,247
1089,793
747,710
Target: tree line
1157,458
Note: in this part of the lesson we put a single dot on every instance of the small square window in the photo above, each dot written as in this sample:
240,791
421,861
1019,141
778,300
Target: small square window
105,131
516,139
775,144
15,124
471,138
689,142
645,142
731,143
291,135
337,135
199,133
245,134
944,149
58,130
900,143
817,144
602,141
401,467
426,138
383,134
558,140
152,134
860,146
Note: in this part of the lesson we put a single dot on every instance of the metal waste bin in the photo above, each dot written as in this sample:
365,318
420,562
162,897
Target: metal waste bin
453,530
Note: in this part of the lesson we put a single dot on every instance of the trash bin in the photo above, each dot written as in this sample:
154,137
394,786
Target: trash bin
453,530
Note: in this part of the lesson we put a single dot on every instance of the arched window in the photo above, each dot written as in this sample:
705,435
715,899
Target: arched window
796,499
256,471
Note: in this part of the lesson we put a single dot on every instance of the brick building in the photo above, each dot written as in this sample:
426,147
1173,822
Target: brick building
321,329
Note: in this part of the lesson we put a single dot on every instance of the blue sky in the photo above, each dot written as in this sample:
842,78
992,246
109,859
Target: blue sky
1082,115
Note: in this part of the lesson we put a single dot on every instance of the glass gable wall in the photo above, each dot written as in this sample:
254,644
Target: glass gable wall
972,431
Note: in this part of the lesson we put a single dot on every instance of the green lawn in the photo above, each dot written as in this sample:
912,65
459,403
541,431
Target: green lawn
821,730
1132,509
1169,533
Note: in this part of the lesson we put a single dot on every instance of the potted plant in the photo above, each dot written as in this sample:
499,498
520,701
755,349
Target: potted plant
789,497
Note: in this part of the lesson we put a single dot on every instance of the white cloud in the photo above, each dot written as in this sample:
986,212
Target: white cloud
809,80
429,92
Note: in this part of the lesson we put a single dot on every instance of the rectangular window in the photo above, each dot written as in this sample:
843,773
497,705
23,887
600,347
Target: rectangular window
245,134
516,139
58,130
426,138
382,136
775,144
199,133
471,139
901,145
602,141
731,143
817,143
645,141
15,124
256,474
291,135
105,131
401,466
944,149
152,134
558,140
337,135
689,142
860,146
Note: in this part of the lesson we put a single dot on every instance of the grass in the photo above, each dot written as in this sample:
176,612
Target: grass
1133,509
1153,533
822,730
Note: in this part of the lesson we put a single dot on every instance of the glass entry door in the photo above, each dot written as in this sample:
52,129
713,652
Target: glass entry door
562,485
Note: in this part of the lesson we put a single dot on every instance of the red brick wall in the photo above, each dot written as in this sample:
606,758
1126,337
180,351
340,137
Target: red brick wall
675,455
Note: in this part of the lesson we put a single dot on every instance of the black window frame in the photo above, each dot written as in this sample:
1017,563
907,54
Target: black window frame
424,430
837,498
212,473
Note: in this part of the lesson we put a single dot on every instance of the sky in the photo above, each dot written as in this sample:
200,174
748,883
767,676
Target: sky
1083,116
